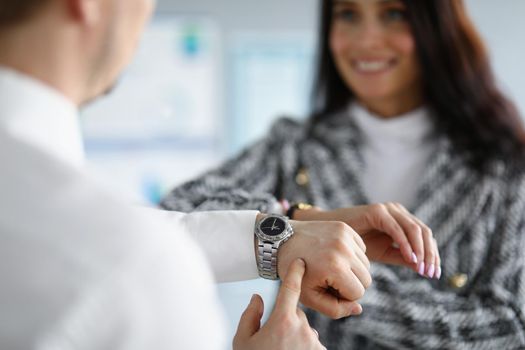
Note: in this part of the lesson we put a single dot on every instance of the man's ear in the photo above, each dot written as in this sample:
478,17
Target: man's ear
85,11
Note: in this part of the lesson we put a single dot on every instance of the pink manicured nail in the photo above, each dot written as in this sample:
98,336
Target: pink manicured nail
430,272
438,272
421,269
414,258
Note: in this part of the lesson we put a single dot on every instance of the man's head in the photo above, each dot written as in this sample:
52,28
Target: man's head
77,46
16,11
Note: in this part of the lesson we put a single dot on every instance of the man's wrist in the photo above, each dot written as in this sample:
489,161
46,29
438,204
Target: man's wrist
259,217
272,231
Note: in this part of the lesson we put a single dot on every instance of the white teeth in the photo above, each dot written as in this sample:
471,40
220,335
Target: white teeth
371,66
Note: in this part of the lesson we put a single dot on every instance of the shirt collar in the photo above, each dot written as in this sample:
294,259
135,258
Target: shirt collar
41,116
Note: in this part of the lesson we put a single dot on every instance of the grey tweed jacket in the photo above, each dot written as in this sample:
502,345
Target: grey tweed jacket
478,221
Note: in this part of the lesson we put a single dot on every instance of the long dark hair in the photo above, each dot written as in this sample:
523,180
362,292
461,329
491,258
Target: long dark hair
459,87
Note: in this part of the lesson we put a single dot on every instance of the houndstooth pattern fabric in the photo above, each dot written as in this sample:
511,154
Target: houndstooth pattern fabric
478,222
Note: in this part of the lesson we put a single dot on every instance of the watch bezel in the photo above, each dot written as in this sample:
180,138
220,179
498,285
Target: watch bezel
281,236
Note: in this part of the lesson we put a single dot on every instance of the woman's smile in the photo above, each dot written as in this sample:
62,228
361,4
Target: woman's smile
373,66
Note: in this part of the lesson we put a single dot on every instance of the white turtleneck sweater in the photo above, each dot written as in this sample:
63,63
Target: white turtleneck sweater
395,151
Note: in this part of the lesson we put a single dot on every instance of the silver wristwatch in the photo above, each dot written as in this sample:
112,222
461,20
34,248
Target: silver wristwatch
270,233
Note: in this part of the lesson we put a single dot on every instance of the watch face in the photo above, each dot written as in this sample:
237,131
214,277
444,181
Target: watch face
273,226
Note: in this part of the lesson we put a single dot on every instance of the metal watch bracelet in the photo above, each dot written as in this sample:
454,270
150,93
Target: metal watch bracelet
268,243
267,259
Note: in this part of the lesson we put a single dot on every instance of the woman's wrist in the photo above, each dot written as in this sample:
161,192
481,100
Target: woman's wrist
303,212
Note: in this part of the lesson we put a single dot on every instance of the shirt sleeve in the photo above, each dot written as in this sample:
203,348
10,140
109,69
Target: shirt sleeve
226,237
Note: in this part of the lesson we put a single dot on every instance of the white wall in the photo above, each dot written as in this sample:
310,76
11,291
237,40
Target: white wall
500,22
243,15
502,25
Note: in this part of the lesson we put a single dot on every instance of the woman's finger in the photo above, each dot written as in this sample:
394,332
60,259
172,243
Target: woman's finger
433,264
437,275
413,232
430,254
381,219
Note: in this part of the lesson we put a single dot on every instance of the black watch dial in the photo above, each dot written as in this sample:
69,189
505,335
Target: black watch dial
272,226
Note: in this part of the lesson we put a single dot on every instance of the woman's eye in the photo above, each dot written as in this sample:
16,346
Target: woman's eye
395,15
346,15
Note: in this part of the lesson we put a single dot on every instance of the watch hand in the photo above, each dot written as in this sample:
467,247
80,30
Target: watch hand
273,224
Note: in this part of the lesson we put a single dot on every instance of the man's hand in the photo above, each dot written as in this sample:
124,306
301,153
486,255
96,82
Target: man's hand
287,328
392,235
338,268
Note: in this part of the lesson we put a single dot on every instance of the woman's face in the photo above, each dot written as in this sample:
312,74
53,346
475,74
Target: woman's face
375,54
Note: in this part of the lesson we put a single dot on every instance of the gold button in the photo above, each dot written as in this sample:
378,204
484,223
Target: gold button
303,206
458,280
302,178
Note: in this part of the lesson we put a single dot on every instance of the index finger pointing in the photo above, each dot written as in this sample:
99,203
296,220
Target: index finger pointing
290,289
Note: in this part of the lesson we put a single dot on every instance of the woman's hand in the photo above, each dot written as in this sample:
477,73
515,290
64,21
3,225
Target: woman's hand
391,233
287,328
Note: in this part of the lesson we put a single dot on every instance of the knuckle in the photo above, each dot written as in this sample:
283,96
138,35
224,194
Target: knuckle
391,204
378,208
360,292
339,245
367,263
398,205
358,238
367,281
335,264
361,243
428,232
414,227
339,228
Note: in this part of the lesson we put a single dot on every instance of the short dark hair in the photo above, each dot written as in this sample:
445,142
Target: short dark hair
458,82
16,11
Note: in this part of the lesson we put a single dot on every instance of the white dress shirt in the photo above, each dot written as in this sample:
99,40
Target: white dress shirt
81,269
395,151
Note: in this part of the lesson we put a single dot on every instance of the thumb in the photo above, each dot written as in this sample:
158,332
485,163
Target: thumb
250,320
290,290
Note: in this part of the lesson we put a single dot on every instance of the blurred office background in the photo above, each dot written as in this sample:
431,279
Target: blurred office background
210,77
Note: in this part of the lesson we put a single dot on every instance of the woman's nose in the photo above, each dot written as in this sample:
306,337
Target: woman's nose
371,35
